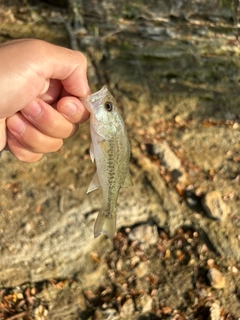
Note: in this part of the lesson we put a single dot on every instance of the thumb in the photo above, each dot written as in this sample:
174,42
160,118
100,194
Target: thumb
3,137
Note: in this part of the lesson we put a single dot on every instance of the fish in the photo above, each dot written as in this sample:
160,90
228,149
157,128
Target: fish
110,149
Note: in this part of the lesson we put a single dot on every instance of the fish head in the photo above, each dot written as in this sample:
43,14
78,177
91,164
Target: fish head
105,118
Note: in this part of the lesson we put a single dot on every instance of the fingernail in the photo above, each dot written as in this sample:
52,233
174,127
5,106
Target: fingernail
33,110
69,109
16,124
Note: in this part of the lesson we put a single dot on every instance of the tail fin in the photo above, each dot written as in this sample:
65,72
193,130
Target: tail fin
105,223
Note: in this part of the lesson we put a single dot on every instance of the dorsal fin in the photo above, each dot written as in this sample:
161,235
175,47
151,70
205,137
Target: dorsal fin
128,181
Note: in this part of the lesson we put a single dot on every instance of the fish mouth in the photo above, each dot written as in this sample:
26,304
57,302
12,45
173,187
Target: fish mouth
91,101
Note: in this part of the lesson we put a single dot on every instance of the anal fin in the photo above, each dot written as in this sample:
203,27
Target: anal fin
94,184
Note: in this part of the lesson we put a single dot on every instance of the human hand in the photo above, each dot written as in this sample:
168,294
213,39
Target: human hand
40,85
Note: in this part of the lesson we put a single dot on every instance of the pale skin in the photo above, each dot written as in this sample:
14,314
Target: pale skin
40,87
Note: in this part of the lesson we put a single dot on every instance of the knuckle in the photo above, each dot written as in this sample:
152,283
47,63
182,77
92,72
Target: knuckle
29,157
51,145
58,145
42,144
80,57
22,153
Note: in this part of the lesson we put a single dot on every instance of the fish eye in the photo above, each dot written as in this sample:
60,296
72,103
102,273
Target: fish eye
108,106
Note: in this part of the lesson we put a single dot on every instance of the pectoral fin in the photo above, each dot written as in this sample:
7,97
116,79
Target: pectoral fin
128,181
91,153
94,184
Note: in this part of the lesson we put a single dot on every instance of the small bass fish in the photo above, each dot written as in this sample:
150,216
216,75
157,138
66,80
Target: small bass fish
110,148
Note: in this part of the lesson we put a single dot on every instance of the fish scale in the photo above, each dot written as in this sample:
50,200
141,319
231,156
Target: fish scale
110,149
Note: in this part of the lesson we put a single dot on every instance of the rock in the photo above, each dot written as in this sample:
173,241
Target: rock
167,156
169,160
127,308
216,312
216,278
154,33
146,235
141,269
109,313
214,205
145,302
192,199
40,313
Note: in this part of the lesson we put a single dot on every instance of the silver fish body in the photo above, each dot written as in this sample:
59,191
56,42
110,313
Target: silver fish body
110,149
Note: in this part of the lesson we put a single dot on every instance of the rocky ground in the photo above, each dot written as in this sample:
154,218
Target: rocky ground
174,69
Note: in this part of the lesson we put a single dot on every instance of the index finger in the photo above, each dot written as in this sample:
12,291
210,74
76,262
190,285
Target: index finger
66,65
